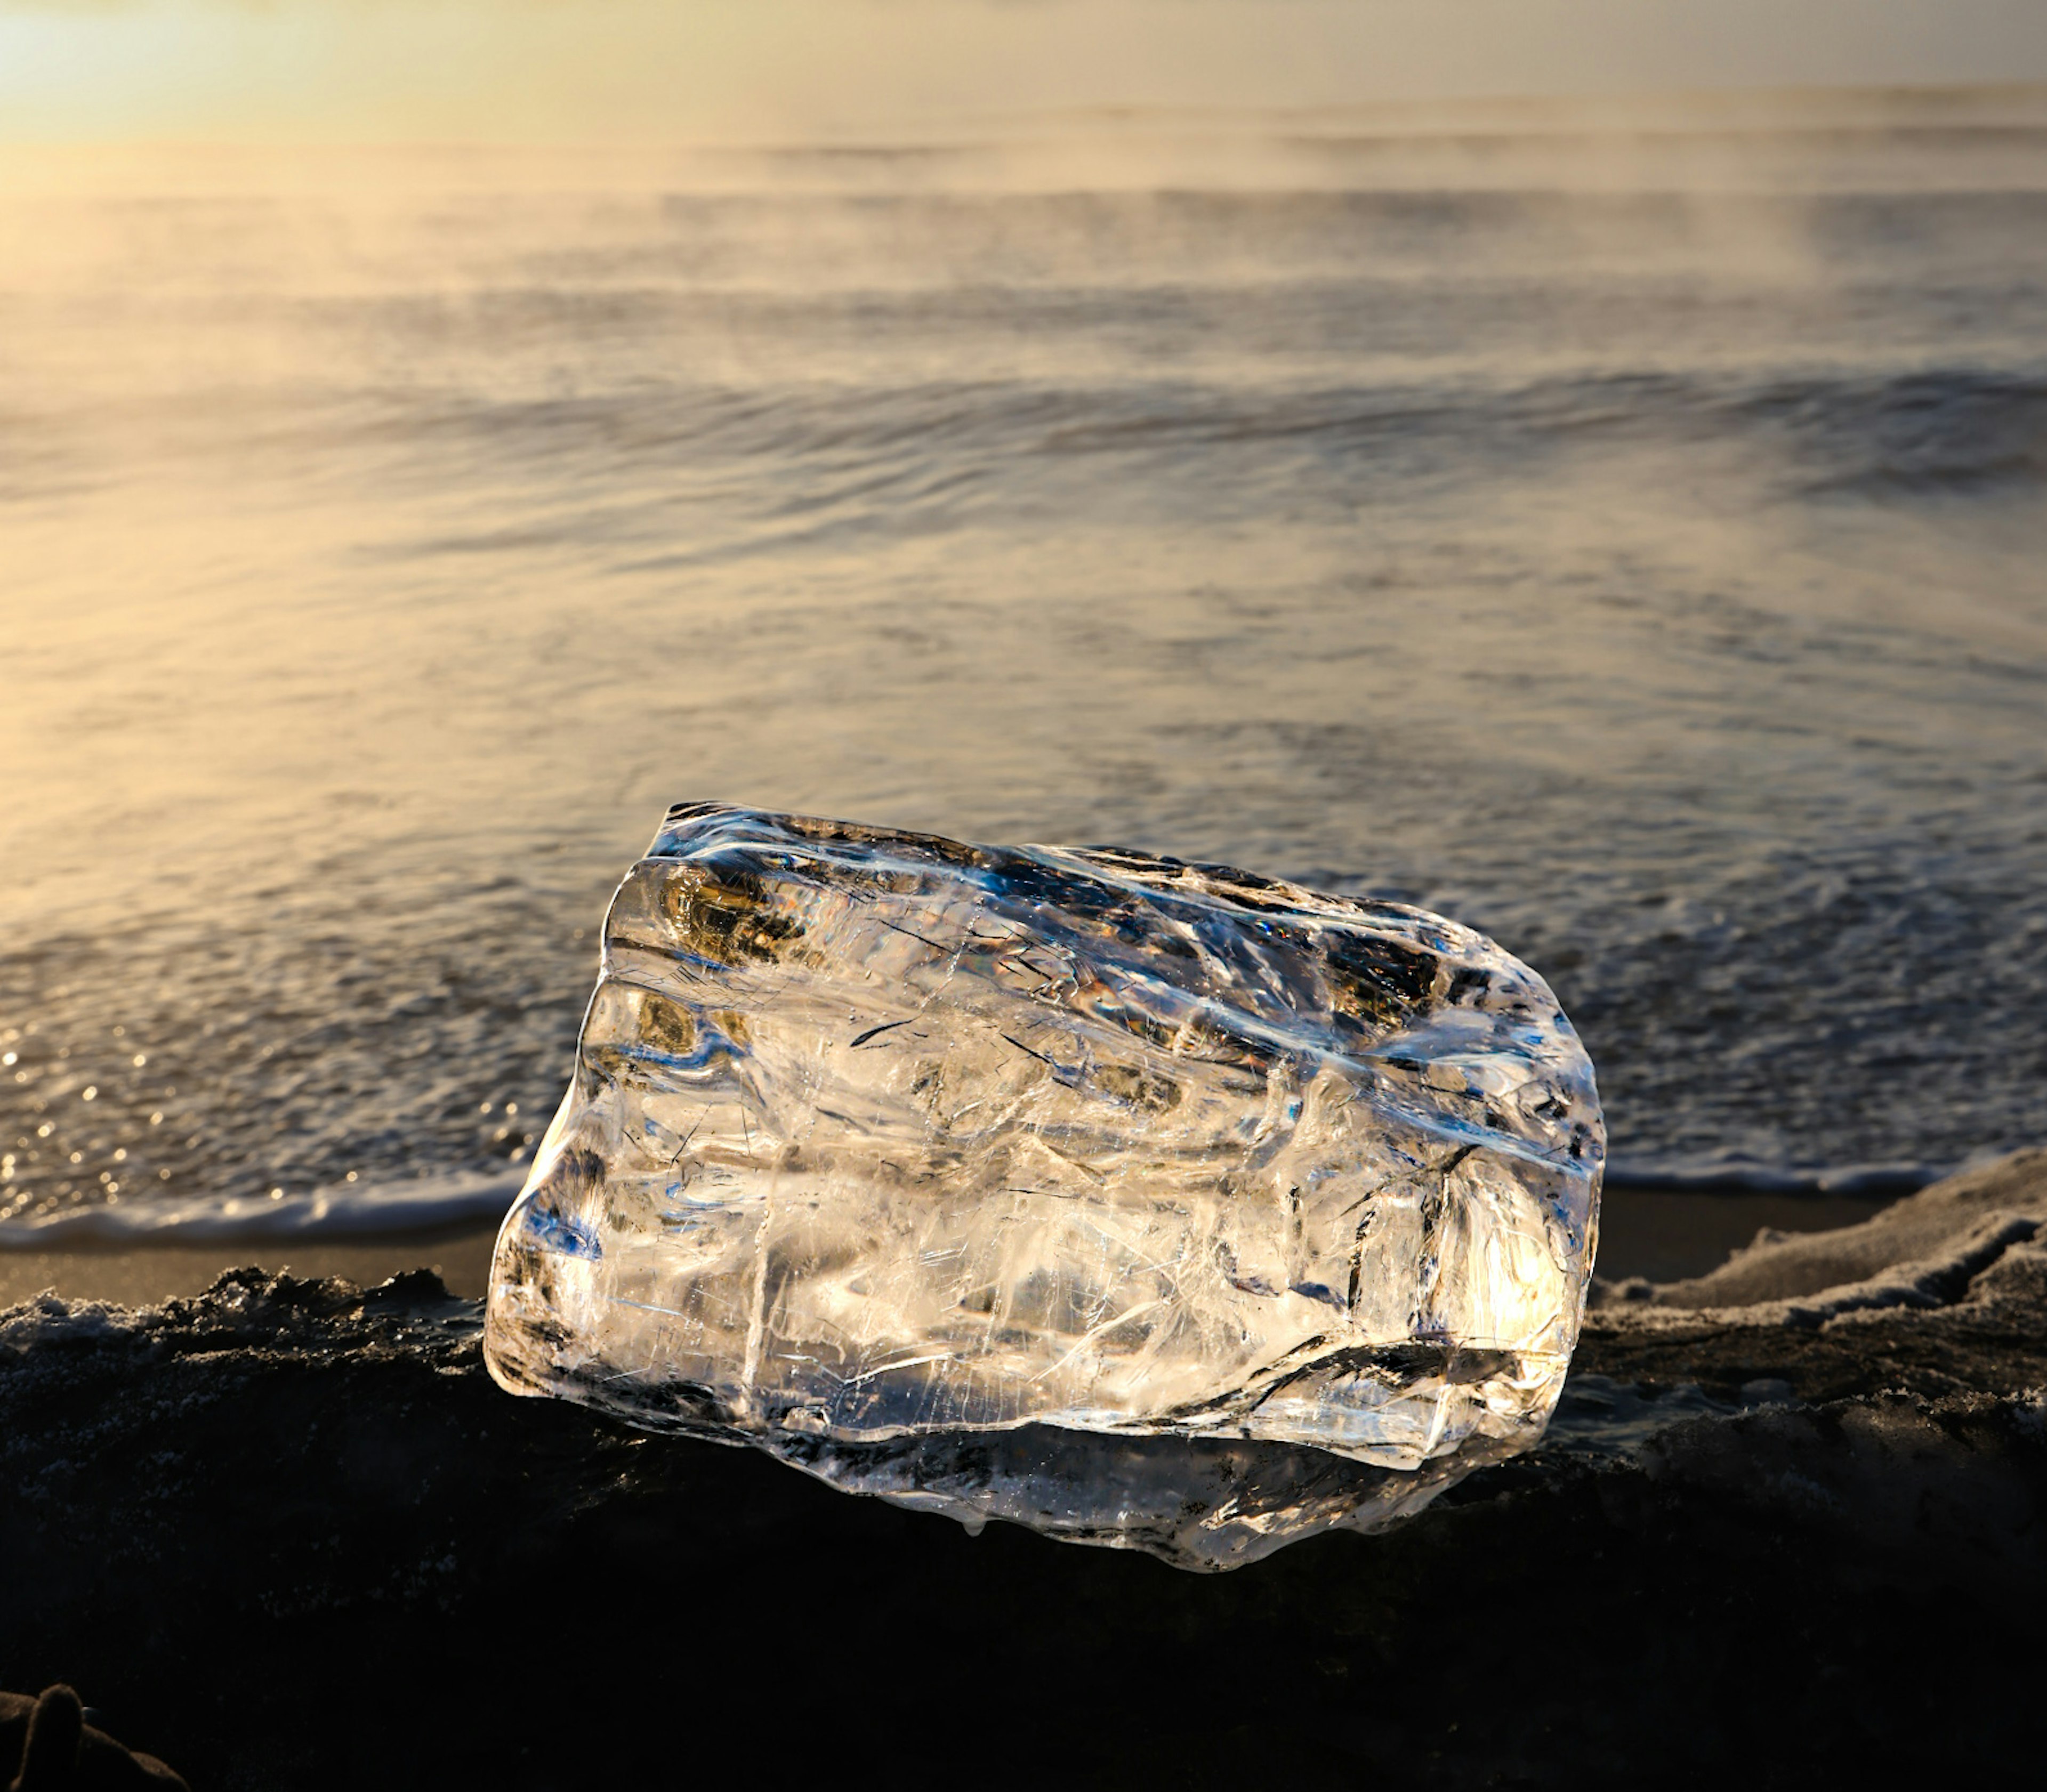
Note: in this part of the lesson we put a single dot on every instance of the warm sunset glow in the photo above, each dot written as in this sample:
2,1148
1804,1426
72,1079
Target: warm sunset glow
1554,491
528,70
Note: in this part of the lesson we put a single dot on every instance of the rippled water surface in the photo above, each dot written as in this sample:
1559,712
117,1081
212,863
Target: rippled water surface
1632,544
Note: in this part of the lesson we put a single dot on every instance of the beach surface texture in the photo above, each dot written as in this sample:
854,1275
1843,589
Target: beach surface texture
1787,1519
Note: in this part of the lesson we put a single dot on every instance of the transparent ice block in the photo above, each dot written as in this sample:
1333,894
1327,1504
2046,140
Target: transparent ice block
1140,1202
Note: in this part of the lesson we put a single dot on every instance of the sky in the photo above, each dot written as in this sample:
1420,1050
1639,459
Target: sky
238,71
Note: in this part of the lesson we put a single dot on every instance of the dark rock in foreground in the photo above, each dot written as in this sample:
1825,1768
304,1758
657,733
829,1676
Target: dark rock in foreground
288,1534
47,1746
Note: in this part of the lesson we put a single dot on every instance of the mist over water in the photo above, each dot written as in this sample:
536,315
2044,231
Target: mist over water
1626,540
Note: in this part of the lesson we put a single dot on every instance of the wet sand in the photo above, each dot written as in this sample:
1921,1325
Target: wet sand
150,1276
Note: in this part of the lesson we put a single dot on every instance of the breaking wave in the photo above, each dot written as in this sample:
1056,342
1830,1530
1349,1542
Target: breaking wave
442,1203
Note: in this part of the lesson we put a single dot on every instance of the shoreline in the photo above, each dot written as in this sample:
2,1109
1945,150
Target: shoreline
1663,1234
149,1274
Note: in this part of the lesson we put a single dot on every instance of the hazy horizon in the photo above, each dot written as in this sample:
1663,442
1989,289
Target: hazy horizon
637,71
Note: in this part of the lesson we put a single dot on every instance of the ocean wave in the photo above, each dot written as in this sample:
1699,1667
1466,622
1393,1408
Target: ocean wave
434,1204
1872,1182
941,447
913,455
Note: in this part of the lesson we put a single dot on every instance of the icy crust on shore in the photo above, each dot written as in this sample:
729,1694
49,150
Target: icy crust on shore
914,1161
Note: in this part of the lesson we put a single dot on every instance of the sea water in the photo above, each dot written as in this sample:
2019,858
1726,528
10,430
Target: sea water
1623,533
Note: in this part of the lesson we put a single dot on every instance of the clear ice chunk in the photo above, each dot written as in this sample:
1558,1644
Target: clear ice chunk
1142,1202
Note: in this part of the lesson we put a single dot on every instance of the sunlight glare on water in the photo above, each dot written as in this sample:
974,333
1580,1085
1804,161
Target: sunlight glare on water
1626,543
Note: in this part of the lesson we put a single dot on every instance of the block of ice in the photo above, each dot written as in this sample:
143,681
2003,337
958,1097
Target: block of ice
1140,1202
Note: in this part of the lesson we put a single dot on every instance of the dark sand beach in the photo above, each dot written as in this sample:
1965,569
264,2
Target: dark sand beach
1787,1525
